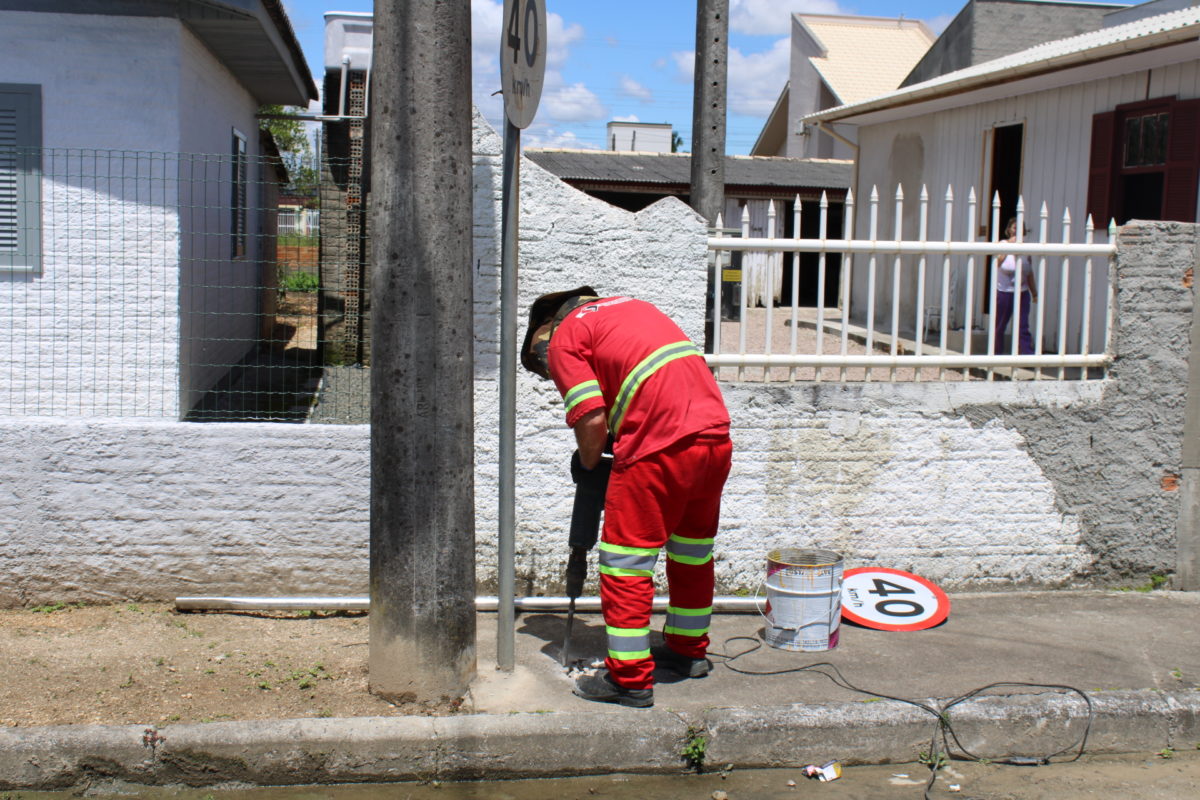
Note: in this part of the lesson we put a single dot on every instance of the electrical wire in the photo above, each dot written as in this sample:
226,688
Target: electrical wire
944,733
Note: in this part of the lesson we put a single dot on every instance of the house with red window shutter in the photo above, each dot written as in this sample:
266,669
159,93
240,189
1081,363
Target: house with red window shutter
1104,123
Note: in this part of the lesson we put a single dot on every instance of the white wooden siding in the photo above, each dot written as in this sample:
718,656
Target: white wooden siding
1054,167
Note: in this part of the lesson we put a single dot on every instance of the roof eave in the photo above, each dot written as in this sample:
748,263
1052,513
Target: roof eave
941,89
252,38
777,112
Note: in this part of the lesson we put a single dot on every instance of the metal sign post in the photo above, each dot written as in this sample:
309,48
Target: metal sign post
522,68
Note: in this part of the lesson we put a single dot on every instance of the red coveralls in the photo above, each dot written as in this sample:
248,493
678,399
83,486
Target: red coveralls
671,458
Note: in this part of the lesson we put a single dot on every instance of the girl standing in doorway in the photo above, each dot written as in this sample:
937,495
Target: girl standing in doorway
1006,278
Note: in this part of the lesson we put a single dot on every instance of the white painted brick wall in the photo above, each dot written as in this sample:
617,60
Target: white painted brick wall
116,509
888,474
96,331
93,332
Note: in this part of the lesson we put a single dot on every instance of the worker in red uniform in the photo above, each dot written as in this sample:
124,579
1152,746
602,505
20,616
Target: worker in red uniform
626,371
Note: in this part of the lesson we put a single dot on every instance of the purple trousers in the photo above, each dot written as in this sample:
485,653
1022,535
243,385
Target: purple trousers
1004,314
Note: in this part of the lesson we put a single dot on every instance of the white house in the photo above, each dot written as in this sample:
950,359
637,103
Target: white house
640,137
1105,124
837,60
129,149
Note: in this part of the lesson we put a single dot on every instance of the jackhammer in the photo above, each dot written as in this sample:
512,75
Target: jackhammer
590,488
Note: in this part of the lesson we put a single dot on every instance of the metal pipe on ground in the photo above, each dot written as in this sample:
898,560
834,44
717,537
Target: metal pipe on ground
721,605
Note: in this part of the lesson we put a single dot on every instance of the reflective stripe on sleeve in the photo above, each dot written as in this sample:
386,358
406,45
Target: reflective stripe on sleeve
688,621
638,375
620,561
628,644
689,551
584,391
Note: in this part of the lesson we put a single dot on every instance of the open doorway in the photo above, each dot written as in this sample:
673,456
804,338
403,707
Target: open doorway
1005,172
810,228
1004,175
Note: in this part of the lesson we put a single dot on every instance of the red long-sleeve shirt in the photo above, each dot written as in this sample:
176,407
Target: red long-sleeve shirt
627,357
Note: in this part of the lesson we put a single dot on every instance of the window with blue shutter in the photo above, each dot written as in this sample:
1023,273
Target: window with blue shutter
20,178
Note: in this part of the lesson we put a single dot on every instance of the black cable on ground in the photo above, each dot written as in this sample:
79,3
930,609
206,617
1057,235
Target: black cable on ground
939,743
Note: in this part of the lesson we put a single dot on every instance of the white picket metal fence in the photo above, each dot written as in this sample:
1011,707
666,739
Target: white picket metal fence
299,221
912,308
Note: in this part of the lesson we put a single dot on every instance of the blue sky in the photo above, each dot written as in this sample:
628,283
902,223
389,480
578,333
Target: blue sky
632,59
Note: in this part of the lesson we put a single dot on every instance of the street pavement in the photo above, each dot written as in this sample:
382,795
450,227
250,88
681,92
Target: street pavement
1121,668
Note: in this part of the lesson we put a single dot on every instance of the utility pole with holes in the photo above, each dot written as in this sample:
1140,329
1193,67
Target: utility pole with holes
708,108
708,125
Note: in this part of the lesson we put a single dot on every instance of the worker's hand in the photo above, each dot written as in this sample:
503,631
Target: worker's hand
591,435
595,478
577,469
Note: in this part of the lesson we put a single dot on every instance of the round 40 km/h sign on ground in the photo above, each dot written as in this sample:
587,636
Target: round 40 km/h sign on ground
891,600
523,58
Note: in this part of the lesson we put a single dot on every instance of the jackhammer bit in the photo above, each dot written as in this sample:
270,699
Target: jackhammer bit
590,488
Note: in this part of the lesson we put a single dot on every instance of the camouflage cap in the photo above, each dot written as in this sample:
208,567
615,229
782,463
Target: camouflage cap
546,309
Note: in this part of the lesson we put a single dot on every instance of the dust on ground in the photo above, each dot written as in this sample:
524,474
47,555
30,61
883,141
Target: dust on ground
147,664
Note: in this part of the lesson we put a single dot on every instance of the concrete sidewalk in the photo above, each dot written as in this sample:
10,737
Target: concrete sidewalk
1137,656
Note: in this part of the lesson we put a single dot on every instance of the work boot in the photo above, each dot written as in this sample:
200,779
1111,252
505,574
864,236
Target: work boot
600,688
678,663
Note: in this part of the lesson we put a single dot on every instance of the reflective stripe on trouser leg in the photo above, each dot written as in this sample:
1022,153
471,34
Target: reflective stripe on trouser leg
632,562
628,573
688,621
626,601
690,611
683,621
689,551
628,644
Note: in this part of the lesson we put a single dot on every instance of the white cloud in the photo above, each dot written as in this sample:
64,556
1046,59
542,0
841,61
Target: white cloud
627,118
772,17
487,23
755,80
560,41
685,62
574,103
631,88
548,136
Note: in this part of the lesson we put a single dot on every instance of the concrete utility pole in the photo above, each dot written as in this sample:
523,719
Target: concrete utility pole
422,621
708,108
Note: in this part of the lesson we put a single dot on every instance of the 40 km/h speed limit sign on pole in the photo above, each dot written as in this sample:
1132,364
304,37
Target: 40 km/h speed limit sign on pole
522,68
523,58
891,600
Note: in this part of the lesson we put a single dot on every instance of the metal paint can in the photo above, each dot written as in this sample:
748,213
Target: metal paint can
804,599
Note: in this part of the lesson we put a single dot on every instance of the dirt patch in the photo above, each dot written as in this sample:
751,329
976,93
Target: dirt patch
148,664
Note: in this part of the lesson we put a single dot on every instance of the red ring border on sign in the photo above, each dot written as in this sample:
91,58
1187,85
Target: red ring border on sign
939,616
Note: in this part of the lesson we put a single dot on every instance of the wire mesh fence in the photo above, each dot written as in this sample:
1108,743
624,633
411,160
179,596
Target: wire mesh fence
162,286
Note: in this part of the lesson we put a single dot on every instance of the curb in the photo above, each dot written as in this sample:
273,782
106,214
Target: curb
557,744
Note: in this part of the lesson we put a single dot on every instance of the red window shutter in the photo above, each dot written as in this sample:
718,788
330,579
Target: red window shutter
1183,162
1100,169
